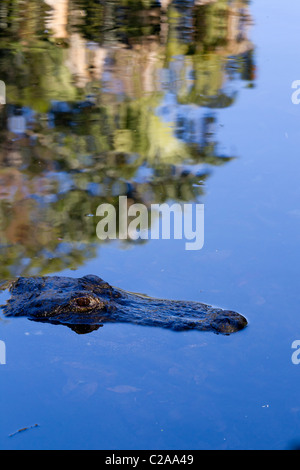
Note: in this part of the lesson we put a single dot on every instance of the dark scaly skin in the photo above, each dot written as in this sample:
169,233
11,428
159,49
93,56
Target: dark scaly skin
86,303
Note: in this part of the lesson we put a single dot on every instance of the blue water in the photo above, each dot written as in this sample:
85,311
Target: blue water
134,387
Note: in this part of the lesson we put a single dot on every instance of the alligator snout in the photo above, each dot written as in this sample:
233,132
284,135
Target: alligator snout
227,322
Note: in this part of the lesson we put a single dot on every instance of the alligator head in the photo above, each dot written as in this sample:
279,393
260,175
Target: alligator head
84,304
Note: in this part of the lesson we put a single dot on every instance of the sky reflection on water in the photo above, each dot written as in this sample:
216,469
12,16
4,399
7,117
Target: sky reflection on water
130,387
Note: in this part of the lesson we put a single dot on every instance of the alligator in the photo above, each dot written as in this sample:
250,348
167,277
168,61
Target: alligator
84,304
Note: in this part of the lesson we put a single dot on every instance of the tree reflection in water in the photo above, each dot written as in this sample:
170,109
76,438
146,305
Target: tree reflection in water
107,99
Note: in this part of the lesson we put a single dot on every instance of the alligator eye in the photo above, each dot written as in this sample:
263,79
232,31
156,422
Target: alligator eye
86,303
83,302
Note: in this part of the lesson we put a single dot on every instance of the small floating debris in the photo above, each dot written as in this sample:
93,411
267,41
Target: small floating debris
23,429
